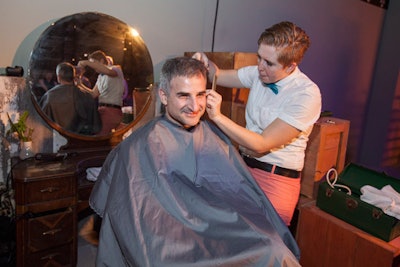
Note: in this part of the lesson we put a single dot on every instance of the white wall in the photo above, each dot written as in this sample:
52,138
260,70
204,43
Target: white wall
170,27
167,27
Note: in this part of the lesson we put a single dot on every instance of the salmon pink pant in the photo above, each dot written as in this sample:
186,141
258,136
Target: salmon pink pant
282,191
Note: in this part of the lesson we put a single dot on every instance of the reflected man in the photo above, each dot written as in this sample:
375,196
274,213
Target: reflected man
65,104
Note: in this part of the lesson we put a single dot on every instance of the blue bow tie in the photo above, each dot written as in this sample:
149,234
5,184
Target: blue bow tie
273,87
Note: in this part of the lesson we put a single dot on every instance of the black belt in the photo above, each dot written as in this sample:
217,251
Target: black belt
253,163
109,105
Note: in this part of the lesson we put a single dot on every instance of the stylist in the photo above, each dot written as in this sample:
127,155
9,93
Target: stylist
109,89
282,107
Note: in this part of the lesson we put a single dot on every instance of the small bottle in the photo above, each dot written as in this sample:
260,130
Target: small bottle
26,150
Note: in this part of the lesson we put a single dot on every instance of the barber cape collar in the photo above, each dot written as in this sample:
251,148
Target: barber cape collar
272,86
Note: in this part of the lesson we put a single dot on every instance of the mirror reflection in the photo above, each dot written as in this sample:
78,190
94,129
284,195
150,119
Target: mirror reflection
111,64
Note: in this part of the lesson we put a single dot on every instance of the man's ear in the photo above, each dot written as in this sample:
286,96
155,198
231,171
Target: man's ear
163,96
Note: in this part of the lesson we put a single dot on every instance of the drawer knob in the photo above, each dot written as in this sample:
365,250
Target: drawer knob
376,214
351,203
49,189
50,256
52,232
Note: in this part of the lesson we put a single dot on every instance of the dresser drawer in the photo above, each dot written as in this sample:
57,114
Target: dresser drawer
46,189
57,256
50,230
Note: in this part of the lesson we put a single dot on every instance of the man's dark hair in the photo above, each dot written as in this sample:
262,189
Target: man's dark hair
291,40
180,66
98,55
66,72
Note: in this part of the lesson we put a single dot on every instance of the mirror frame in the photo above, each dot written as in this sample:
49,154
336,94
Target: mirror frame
87,142
84,142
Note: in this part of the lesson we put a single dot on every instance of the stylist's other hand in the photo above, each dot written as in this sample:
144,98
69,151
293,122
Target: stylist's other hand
202,57
82,64
213,104
211,66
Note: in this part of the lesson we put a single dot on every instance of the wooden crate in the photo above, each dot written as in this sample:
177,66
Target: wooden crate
326,149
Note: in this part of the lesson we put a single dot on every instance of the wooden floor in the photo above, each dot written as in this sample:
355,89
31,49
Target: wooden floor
87,243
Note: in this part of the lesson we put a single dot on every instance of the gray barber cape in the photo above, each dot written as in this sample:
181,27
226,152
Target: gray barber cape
175,197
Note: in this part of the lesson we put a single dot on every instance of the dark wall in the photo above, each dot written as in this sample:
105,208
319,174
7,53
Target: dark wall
381,134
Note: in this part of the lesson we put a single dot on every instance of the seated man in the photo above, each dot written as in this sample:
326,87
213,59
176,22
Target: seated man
177,193
68,106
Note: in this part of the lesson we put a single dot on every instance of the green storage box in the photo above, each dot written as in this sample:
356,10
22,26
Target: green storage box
351,209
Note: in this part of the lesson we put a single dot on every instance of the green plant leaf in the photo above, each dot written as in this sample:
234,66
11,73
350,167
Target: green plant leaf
20,127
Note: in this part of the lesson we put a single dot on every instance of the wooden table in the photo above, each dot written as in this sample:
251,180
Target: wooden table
325,241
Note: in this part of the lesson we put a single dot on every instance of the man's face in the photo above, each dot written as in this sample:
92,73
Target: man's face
186,101
269,68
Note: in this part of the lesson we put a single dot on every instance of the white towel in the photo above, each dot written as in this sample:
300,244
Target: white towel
92,173
387,199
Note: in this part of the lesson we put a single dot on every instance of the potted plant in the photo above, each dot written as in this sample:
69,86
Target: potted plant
23,133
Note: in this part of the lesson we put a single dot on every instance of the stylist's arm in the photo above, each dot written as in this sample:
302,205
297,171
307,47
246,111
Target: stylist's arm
273,136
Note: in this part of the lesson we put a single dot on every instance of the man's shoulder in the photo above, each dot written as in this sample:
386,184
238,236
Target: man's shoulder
213,128
56,90
142,132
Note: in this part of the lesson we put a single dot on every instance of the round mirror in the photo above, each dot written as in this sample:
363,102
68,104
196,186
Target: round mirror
71,39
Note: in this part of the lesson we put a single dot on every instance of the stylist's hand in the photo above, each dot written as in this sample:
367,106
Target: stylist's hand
202,57
211,66
82,64
213,104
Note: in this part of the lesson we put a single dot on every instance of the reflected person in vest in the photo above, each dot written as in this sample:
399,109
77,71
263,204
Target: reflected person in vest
109,89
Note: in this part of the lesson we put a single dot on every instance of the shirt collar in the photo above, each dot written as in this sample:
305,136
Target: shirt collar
282,83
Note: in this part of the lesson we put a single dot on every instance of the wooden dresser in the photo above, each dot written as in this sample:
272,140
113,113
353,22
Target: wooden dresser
49,196
46,199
